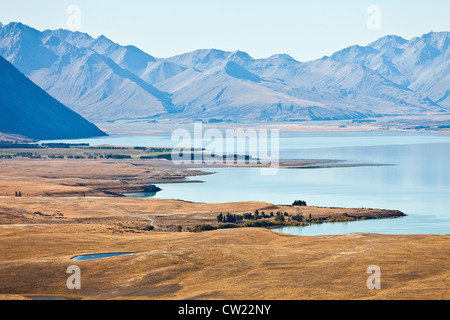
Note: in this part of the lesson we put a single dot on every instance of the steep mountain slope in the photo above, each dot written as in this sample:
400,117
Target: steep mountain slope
97,88
28,110
93,84
205,94
421,64
342,89
355,87
160,71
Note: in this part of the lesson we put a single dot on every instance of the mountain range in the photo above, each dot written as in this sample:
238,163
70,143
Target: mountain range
105,81
27,110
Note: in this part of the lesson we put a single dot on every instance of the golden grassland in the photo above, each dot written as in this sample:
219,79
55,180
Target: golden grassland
222,264
133,215
85,177
51,223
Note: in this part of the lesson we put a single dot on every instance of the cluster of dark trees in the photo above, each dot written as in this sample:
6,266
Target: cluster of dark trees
229,218
279,216
18,194
117,156
16,145
233,218
111,148
258,215
167,156
298,218
24,154
153,149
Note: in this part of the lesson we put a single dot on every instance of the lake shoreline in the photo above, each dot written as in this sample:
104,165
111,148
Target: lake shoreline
72,178
168,215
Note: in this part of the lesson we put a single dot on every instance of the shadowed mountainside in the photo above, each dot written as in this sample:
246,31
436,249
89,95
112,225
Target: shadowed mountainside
27,110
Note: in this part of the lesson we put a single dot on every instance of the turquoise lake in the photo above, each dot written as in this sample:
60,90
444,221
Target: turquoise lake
417,182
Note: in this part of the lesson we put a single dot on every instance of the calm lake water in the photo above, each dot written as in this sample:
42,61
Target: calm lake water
417,183
100,256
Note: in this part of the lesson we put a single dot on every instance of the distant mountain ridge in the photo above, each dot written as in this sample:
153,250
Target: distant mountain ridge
104,81
421,64
27,110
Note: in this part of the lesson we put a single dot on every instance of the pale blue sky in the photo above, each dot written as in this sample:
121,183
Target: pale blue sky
306,30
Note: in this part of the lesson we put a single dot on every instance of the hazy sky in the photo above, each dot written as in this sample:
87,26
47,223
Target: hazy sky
306,30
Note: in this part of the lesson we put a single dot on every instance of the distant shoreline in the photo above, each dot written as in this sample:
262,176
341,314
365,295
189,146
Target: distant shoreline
409,124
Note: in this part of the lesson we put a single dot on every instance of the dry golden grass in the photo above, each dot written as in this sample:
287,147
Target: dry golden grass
223,264
162,213
39,236
84,177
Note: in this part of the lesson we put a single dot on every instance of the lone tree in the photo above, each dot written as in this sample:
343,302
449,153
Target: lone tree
220,218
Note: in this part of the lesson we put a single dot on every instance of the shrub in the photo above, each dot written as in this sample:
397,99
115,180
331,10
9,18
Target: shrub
228,226
203,227
248,216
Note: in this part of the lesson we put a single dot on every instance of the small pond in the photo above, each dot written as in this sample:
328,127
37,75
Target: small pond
100,256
